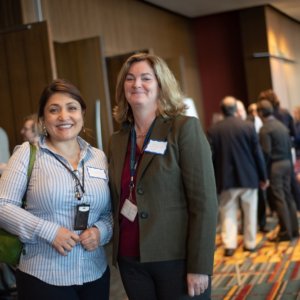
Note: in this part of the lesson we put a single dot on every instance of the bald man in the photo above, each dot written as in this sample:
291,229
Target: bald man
239,170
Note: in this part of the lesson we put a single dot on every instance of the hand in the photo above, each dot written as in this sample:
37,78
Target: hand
197,284
90,239
264,184
65,240
298,177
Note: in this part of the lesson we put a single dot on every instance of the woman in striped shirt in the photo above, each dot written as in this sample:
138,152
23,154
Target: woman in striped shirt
68,219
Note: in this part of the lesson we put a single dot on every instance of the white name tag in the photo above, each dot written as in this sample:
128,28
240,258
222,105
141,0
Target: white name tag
97,173
157,147
129,210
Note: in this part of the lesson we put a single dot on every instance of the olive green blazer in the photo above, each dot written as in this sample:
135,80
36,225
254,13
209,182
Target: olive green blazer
175,193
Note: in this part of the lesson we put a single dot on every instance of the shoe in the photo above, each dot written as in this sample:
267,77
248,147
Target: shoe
278,239
264,230
249,249
229,252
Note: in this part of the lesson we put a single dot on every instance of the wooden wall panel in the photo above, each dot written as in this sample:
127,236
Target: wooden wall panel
6,108
284,45
27,69
10,13
254,37
82,63
125,26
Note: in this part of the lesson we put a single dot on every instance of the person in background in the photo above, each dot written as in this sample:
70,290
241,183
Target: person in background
30,131
239,169
281,114
284,116
68,217
253,116
262,197
276,144
163,187
297,130
4,149
240,110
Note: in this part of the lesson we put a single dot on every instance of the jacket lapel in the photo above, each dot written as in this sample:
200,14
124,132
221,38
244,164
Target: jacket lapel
159,133
120,154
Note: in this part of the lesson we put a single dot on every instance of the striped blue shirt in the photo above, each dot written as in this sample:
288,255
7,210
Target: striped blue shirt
51,203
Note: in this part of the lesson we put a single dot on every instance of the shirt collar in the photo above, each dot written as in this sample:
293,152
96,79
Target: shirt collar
84,146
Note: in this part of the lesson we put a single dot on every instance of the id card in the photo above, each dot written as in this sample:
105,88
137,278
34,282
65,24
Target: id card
129,210
82,216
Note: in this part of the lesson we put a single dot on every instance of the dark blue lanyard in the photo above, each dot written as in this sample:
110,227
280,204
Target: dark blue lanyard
78,183
133,161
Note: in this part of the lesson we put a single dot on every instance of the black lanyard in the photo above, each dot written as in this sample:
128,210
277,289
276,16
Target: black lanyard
133,161
78,183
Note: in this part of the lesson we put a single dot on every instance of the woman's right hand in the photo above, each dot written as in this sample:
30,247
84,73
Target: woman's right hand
65,240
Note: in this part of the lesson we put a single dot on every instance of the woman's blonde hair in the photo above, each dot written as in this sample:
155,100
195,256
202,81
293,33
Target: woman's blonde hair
170,97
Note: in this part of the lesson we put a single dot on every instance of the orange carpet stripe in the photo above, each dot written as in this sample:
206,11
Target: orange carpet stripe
284,269
271,295
231,292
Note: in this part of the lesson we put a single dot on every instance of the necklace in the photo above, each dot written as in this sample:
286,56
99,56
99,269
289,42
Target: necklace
139,136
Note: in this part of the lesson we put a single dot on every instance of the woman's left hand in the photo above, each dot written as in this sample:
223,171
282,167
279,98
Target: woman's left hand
197,284
90,238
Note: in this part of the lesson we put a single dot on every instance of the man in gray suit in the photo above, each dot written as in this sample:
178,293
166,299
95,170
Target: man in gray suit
239,168
276,144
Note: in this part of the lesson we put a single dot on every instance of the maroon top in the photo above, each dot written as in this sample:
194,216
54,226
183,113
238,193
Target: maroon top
129,231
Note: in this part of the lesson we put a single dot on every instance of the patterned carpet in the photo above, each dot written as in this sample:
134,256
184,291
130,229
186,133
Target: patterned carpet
272,272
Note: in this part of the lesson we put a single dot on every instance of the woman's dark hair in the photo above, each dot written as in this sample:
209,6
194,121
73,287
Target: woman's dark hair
59,86
271,96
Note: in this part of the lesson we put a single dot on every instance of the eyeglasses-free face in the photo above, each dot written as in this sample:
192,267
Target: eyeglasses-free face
141,86
63,117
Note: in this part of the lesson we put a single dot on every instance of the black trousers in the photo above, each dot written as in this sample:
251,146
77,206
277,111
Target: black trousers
261,209
280,186
156,280
31,288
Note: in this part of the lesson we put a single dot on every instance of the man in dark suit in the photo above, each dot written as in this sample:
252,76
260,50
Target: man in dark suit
276,145
239,169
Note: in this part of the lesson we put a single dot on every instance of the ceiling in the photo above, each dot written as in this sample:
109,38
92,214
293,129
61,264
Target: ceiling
197,8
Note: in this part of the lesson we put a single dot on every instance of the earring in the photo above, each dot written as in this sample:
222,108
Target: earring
45,133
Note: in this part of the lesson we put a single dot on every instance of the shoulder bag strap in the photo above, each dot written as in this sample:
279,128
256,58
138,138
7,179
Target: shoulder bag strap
29,170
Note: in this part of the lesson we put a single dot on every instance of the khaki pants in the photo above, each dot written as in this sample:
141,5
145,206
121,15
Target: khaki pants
229,205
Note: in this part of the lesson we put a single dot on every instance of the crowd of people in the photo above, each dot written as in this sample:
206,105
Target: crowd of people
157,195
255,170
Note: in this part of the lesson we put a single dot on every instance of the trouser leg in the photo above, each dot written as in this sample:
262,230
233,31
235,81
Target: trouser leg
249,205
277,186
228,217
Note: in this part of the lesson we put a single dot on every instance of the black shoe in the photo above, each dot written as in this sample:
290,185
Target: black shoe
229,252
278,239
264,230
249,249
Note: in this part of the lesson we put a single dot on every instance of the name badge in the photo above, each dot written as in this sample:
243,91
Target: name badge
82,216
157,147
129,210
97,173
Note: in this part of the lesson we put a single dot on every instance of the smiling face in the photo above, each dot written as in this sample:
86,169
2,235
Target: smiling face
63,117
141,86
